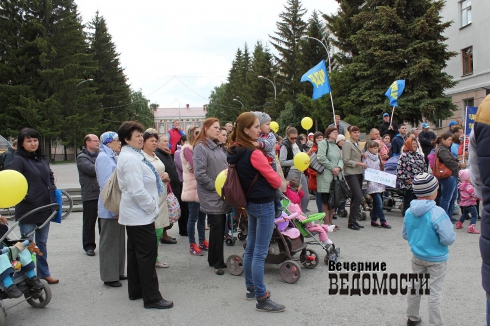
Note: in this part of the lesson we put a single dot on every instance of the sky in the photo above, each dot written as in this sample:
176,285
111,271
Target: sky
176,52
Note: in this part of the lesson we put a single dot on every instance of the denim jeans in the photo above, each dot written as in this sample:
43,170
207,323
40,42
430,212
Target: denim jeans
195,215
41,238
449,194
318,199
260,227
465,210
377,208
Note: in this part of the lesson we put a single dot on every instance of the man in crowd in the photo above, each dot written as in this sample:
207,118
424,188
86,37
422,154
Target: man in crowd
337,124
453,125
386,128
399,140
90,190
426,139
174,135
9,155
480,176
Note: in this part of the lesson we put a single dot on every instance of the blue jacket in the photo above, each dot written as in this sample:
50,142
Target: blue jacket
397,145
480,172
105,164
428,230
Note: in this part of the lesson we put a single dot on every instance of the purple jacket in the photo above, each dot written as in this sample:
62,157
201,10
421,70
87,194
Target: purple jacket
178,163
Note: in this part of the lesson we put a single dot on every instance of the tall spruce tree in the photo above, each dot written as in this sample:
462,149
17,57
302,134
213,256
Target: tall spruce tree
286,42
260,91
398,40
109,78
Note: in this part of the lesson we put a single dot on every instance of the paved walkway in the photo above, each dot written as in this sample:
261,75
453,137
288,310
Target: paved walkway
203,298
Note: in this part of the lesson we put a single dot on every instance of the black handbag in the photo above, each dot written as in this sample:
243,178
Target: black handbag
339,193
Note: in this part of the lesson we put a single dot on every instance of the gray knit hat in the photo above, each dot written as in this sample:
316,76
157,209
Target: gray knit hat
424,185
263,117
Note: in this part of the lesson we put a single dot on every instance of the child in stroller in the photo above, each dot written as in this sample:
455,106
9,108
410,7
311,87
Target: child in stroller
14,258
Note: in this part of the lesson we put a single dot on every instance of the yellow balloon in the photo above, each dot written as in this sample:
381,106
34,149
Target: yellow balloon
307,123
13,188
220,181
301,161
274,126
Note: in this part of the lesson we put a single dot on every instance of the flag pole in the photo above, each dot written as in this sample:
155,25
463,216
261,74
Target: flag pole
392,113
333,109
464,136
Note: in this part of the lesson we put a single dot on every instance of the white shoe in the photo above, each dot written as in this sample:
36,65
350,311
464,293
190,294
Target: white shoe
161,265
330,228
328,242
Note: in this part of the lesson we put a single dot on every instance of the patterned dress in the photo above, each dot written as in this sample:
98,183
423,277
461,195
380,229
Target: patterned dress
409,165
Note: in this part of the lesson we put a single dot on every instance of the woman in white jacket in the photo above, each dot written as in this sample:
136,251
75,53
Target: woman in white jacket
140,186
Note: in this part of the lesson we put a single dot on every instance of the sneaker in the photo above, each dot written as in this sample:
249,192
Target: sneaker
331,228
267,305
413,322
375,224
250,295
459,225
194,250
35,283
204,245
385,225
471,229
328,242
13,291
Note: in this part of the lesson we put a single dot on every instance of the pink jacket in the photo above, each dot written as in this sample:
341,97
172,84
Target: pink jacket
468,197
189,188
294,197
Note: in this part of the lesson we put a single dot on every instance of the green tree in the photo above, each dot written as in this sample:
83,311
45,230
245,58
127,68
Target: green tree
216,108
398,40
286,42
261,91
109,78
140,109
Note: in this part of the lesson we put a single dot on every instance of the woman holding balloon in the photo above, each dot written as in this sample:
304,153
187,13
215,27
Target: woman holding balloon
32,163
251,162
289,150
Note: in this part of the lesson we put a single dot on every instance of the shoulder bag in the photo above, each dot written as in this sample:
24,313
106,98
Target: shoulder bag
111,194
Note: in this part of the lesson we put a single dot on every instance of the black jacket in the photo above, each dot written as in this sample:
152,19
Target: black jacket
286,143
383,129
9,156
171,169
426,138
38,175
87,175
261,191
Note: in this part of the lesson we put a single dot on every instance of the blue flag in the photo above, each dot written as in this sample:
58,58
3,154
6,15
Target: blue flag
395,91
318,77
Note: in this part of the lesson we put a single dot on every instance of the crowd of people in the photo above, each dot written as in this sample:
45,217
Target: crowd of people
150,166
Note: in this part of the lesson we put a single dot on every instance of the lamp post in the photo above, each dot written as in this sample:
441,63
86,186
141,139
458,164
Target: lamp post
273,84
329,66
237,100
75,129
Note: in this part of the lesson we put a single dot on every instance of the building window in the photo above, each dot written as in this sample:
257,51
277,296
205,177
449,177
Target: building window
438,123
468,102
467,60
465,13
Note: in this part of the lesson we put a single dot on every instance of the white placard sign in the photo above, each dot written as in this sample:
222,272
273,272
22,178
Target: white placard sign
384,178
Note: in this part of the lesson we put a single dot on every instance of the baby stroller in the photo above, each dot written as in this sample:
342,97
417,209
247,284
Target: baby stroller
289,241
393,197
36,297
237,222
332,253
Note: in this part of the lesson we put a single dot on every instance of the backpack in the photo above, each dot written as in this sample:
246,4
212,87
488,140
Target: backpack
111,194
232,191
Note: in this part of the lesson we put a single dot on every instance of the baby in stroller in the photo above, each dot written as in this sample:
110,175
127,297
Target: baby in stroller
14,258
294,193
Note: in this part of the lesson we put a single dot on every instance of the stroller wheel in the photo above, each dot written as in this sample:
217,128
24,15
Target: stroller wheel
241,236
234,264
308,258
230,242
41,298
290,271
